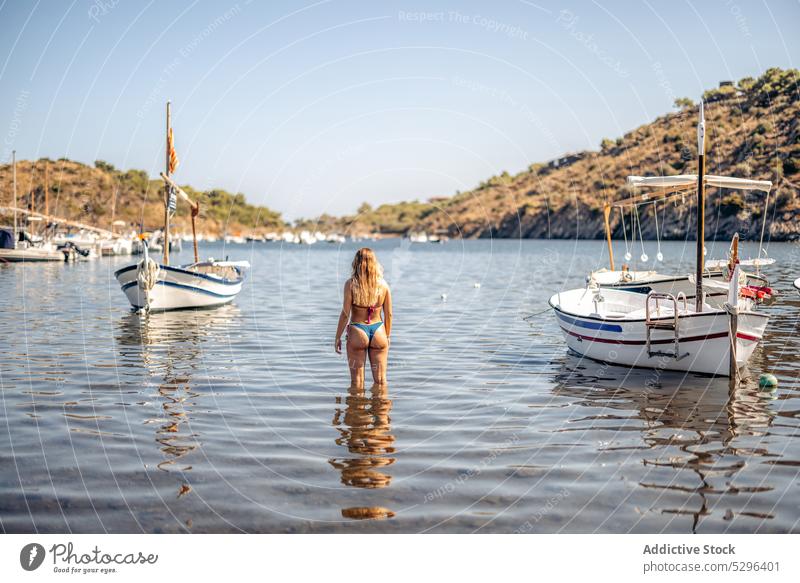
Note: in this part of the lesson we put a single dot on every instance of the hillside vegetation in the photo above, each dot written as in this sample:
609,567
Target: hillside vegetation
102,194
753,131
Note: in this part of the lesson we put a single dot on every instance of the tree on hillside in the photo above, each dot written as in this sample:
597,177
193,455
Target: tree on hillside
105,166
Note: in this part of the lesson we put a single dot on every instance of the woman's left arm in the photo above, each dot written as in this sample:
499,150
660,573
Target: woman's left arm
387,312
344,316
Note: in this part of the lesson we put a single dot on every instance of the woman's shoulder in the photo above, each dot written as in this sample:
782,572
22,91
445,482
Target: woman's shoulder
384,289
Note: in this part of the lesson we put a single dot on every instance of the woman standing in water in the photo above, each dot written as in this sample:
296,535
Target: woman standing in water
366,294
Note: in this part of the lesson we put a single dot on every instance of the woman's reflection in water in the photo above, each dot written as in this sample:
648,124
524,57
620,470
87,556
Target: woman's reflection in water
700,416
364,428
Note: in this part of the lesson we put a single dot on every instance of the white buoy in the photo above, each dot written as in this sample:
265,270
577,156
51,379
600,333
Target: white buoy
444,297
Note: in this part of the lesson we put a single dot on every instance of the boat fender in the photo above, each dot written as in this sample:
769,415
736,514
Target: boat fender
147,276
758,293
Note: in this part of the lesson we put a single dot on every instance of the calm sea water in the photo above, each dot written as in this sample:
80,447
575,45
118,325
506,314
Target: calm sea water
240,418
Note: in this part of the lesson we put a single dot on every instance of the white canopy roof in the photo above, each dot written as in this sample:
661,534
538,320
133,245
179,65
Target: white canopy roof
687,180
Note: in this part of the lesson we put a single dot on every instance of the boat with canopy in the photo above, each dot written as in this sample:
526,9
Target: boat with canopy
671,331
661,191
152,286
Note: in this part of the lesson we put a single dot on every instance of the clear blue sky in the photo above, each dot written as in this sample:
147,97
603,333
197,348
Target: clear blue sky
316,107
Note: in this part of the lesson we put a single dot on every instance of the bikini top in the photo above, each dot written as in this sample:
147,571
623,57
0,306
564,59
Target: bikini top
369,309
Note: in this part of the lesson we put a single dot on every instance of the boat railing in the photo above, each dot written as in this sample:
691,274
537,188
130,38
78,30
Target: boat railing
660,323
682,297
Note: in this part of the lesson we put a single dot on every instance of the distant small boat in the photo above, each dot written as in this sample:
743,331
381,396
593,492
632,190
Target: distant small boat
17,246
117,246
797,284
12,251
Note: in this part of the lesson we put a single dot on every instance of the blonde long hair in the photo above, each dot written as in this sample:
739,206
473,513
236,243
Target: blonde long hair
365,283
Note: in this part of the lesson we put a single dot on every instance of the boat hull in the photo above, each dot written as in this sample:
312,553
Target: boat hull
704,337
177,288
30,255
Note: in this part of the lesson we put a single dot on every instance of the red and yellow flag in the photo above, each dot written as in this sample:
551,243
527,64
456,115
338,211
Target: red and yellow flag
173,156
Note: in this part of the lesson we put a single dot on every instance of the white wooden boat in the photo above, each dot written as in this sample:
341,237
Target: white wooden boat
206,284
655,330
149,285
662,330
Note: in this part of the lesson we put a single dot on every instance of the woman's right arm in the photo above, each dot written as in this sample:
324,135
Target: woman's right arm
344,317
387,312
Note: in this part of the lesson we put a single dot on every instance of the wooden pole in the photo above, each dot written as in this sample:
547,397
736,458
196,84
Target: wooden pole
46,189
166,194
31,227
701,210
733,367
55,220
14,170
33,190
114,208
195,208
606,213
195,212
733,313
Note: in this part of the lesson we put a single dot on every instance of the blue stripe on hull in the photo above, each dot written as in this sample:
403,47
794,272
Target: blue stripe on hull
183,286
590,325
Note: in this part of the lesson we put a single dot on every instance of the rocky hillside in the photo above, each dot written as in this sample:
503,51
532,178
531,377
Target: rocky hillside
102,194
753,131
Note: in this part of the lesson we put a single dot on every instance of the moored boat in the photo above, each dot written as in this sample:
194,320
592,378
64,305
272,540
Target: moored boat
12,251
149,285
662,330
646,280
655,330
206,284
17,246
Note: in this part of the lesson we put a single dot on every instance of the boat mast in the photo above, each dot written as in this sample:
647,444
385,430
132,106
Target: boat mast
166,194
606,213
14,171
701,209
46,190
